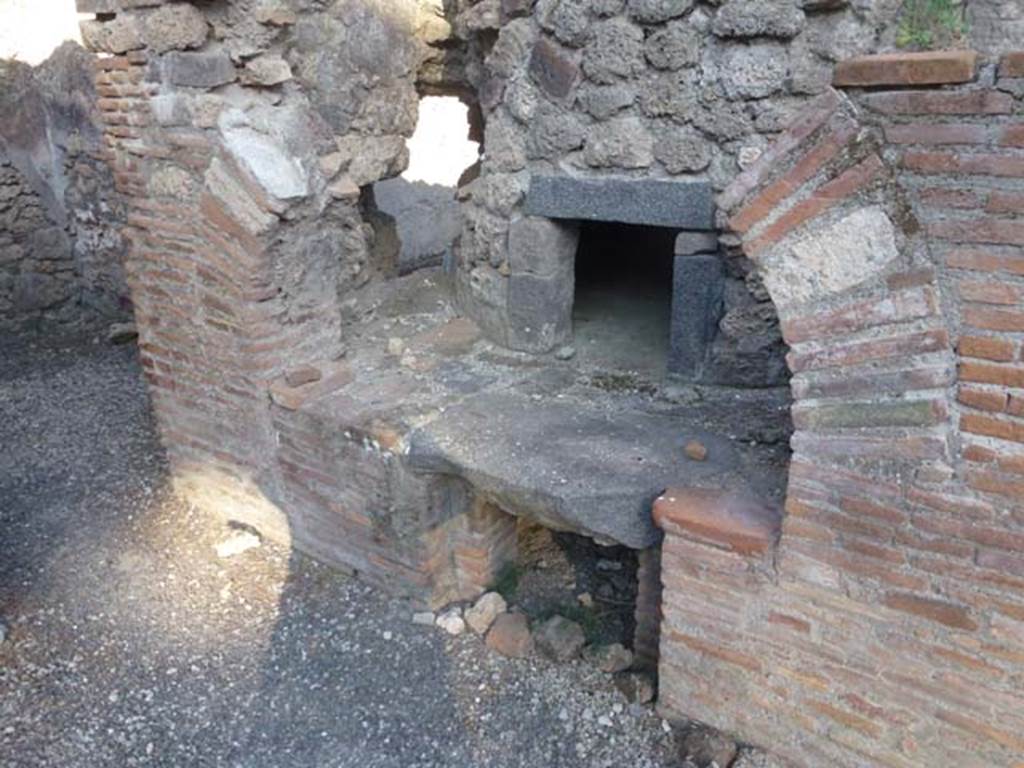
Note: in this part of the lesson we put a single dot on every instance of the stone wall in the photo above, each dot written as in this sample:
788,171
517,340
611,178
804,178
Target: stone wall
60,248
883,622
647,89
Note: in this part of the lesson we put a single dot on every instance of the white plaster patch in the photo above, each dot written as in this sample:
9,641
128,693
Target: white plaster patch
268,161
824,259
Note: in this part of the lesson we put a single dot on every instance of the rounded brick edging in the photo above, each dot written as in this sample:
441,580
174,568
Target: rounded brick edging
728,519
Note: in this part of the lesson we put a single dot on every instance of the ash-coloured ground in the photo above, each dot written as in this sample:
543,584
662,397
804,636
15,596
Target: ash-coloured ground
129,641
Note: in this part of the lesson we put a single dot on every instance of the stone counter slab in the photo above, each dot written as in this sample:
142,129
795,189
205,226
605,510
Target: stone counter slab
571,465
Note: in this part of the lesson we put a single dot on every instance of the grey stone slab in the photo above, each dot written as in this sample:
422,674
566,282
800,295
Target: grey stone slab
680,204
569,464
697,284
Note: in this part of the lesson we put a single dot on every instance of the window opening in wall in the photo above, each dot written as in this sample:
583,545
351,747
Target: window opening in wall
421,202
440,149
623,305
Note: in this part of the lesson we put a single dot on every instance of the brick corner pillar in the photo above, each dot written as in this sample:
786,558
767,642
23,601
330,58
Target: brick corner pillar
717,554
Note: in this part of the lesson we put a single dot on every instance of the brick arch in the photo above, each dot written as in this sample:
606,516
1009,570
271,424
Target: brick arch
881,620
841,250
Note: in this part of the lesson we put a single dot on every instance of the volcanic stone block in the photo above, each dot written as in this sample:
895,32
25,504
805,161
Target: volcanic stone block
552,69
679,204
540,311
541,247
697,285
198,70
174,27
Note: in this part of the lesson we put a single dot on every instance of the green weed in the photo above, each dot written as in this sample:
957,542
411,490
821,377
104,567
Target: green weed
931,24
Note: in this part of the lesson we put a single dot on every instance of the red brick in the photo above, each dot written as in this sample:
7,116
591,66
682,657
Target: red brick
867,549
856,565
951,504
866,351
1012,64
792,622
1003,429
794,527
855,446
738,523
928,133
986,348
959,199
924,68
957,163
986,260
986,373
1012,464
716,651
941,545
1016,405
989,482
950,614
873,509
889,308
973,102
804,170
990,319
982,399
1012,136
847,719
842,383
991,292
1005,202
983,230
912,278
823,417
979,454
851,181
983,729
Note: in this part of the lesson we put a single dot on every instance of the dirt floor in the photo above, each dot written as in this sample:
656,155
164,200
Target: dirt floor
129,641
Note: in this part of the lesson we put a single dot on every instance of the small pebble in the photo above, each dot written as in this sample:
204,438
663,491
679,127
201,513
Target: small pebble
696,450
451,621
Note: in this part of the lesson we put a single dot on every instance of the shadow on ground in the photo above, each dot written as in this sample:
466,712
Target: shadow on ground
130,642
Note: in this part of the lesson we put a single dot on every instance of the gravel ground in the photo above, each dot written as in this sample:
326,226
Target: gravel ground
130,642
